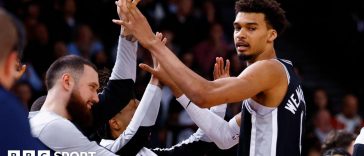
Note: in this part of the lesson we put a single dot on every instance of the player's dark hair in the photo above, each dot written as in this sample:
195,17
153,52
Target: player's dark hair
274,14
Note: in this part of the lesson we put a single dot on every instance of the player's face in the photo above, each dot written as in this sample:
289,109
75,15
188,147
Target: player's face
251,34
121,120
83,96
126,114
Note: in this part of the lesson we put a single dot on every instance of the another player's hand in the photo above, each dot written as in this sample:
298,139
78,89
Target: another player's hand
219,70
20,70
158,72
125,32
136,23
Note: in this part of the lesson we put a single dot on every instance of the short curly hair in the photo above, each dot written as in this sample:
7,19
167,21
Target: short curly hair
274,14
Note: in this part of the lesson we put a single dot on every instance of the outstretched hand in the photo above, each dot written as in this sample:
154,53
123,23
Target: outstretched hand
135,22
20,70
124,32
158,72
219,70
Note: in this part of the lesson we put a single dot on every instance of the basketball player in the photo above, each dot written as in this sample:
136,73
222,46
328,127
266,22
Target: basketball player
197,144
273,102
72,84
15,131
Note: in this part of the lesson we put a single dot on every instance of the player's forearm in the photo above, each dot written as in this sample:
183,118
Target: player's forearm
152,94
224,134
153,109
125,65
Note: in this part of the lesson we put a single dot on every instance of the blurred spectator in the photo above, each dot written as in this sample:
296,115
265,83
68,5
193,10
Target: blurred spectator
38,46
153,11
31,18
349,119
339,139
170,38
24,92
30,76
320,99
322,124
64,23
209,12
59,49
87,46
215,46
315,135
184,25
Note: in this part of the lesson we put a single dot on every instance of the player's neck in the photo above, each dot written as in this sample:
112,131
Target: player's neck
56,103
269,53
4,80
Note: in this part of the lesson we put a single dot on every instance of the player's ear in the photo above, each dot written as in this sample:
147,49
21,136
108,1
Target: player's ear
272,35
114,125
67,81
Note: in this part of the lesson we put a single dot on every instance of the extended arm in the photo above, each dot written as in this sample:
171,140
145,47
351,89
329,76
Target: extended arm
224,134
255,79
119,89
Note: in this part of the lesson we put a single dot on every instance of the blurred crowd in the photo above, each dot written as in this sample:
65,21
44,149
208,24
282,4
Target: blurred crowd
197,30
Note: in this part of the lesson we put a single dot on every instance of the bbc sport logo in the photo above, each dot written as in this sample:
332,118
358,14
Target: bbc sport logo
47,153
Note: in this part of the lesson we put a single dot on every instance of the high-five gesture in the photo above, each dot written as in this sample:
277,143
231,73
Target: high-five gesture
125,32
136,23
158,71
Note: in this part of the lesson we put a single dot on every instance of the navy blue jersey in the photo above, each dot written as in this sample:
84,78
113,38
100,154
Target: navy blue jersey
15,129
269,131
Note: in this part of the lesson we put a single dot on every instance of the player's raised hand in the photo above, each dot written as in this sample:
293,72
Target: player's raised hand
158,72
20,70
136,24
125,32
221,71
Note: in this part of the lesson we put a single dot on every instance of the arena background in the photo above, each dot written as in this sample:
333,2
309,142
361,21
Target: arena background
325,41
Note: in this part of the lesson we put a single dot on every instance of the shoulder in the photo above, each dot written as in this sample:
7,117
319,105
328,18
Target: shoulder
271,64
12,111
360,138
264,69
57,131
49,124
10,101
59,125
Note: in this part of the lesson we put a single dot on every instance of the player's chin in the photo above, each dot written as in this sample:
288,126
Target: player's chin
244,56
244,52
